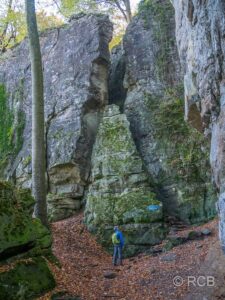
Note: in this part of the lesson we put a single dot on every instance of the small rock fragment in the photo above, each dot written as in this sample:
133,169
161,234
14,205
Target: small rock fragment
169,257
110,275
206,231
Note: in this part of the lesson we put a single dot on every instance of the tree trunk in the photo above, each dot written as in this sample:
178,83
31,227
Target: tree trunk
128,10
38,128
121,10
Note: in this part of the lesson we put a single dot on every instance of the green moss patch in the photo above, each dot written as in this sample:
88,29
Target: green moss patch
17,228
187,148
184,153
157,15
27,280
11,130
120,191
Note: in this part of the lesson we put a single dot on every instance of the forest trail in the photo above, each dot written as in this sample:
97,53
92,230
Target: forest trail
144,277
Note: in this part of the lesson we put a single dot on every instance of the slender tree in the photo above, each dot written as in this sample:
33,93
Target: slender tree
38,130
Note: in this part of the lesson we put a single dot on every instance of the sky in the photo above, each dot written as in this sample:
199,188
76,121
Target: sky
134,4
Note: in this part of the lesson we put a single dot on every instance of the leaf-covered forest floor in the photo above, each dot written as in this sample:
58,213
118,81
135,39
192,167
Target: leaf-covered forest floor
84,263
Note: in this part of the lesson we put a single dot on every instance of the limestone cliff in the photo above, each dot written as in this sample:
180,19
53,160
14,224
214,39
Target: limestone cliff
145,147
200,31
175,156
75,64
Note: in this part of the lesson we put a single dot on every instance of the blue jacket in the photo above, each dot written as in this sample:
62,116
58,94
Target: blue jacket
119,236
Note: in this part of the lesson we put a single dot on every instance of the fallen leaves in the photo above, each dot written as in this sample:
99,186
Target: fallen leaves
84,263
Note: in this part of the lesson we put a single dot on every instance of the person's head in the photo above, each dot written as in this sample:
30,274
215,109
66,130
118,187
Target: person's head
116,228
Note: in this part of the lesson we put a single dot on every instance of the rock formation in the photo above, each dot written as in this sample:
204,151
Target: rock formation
175,156
120,192
75,76
23,242
200,31
145,147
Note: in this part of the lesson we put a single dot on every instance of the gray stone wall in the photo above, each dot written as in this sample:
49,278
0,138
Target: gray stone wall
75,64
200,31
154,106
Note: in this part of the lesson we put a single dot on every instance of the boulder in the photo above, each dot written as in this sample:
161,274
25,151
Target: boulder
120,191
19,233
24,243
27,280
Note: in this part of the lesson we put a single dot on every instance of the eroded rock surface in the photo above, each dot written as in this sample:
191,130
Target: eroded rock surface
75,64
120,192
175,156
200,31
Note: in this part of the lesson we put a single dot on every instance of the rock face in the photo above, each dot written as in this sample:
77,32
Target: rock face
144,145
120,192
200,31
117,92
75,75
175,156
22,237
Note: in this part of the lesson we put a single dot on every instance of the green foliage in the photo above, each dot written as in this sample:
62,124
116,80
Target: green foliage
19,132
11,130
70,7
6,125
13,24
27,161
157,15
45,21
186,148
115,41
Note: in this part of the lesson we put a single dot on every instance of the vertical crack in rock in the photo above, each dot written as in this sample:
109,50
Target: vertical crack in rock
174,154
75,76
117,92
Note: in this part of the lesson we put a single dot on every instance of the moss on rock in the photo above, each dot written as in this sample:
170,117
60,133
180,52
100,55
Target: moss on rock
120,191
157,15
12,125
17,228
184,155
21,236
27,280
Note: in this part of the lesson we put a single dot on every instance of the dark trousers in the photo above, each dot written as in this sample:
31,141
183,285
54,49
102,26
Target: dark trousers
117,254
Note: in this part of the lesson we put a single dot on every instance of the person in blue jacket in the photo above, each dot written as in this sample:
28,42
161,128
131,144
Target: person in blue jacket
118,243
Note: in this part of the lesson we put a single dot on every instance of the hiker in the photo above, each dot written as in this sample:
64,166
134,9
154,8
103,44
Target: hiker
118,243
